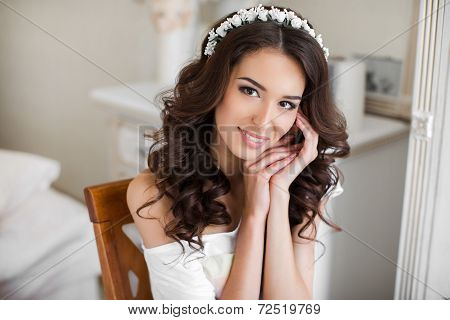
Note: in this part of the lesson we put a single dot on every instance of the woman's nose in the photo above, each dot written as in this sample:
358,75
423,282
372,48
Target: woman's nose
263,116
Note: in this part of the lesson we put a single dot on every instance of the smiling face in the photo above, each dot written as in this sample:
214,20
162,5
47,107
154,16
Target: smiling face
261,100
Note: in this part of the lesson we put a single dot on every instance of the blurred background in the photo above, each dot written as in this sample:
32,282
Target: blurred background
77,83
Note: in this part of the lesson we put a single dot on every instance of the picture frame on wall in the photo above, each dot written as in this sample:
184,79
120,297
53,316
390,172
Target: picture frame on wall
385,77
394,96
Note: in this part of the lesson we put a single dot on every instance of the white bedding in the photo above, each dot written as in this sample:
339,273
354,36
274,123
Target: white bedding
48,238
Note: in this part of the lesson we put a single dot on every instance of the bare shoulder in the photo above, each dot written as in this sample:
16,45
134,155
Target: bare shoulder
151,219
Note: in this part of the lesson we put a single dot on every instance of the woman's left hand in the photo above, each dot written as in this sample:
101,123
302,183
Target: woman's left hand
284,177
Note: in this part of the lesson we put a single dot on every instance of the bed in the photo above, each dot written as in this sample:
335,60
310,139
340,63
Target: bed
47,245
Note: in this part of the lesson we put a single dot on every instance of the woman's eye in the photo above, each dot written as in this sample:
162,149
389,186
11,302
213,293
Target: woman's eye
290,105
247,89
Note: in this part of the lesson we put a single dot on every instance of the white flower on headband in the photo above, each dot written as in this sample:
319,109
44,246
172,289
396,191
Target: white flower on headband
291,15
236,20
222,29
262,14
251,15
277,15
296,23
259,13
319,40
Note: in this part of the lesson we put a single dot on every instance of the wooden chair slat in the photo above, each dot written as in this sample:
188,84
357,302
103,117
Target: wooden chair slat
108,211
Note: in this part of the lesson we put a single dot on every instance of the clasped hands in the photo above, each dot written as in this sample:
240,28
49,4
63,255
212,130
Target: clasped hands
281,164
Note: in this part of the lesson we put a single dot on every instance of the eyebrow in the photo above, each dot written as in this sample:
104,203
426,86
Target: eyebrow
264,89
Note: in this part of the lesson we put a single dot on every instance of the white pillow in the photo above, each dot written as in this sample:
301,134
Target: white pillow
23,174
47,227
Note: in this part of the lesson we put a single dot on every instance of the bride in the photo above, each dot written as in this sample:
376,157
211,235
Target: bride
244,166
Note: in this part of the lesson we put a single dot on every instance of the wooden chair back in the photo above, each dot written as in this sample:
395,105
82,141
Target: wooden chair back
122,263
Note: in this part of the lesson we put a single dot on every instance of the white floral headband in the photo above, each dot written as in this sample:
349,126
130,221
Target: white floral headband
244,16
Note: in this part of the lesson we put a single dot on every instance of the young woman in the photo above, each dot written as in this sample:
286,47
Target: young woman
229,206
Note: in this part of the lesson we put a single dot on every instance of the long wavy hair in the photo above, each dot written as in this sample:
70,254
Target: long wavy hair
180,159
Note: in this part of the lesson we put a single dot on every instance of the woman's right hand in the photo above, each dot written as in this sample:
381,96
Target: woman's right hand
257,173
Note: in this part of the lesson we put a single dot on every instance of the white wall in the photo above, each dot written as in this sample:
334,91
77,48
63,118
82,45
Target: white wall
44,103
358,25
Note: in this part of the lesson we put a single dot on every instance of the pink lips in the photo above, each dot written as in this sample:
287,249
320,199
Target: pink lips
254,134
252,144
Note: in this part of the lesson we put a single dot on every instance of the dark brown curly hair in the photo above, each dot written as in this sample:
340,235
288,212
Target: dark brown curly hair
184,168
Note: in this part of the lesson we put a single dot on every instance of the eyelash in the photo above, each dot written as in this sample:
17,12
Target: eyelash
293,106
